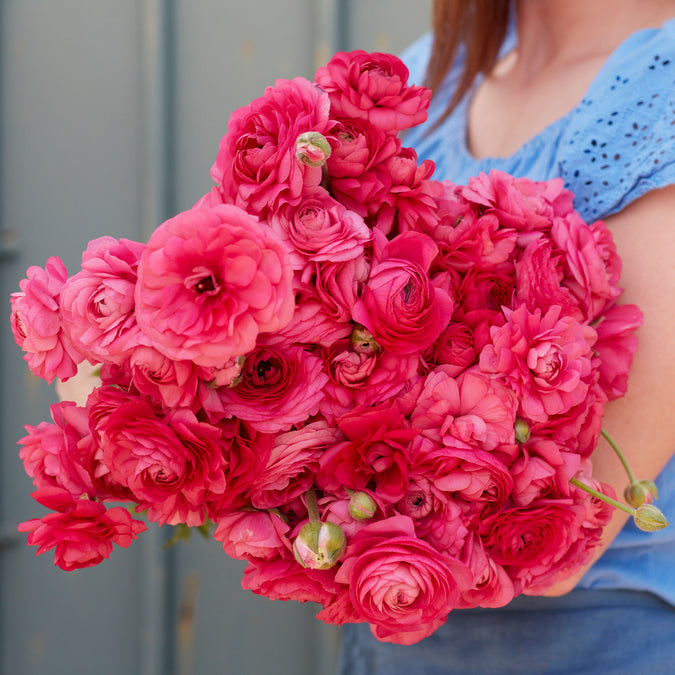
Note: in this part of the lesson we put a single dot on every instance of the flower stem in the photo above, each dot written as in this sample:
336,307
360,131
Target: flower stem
620,455
602,497
312,506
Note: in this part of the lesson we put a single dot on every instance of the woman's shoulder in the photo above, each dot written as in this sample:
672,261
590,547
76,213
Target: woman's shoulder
620,141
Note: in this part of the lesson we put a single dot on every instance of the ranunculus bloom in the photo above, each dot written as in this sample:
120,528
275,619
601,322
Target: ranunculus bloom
209,281
250,535
36,323
547,359
97,303
400,305
256,167
81,532
399,584
374,87
279,386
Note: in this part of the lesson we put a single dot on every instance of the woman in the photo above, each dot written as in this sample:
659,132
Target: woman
582,89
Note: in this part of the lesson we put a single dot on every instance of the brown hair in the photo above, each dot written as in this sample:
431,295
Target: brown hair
477,26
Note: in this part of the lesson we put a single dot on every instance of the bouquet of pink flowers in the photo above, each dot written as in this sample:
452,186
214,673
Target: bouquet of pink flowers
383,390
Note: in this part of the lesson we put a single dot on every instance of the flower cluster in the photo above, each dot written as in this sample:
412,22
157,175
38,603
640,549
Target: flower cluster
378,386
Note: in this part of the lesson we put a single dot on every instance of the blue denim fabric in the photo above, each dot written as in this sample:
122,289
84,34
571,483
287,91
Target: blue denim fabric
583,633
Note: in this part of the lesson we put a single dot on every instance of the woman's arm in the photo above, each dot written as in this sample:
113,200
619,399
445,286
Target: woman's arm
642,422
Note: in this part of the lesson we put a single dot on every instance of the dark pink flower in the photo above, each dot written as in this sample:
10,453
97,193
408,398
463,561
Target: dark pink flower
256,167
209,281
399,584
547,359
339,285
81,532
400,305
279,386
97,303
36,323
375,87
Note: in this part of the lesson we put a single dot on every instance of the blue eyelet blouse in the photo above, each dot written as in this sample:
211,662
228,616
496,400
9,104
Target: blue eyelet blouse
616,145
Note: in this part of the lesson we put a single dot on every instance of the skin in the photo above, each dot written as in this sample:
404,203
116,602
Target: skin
561,49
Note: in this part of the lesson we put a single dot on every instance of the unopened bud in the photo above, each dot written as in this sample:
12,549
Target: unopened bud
641,492
362,506
363,342
522,429
312,148
649,518
319,545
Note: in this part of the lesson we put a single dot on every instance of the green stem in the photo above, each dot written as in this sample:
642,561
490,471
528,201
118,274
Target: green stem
602,497
312,506
620,455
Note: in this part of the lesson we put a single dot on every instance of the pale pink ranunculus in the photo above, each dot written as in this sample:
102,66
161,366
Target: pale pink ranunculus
256,166
400,305
81,532
56,454
469,411
171,465
547,359
209,281
319,228
616,345
280,385
36,322
252,535
97,303
401,585
289,469
375,87
592,266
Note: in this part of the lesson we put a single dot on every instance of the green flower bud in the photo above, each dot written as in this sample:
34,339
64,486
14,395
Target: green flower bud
650,519
362,506
522,429
312,148
640,492
319,545
362,341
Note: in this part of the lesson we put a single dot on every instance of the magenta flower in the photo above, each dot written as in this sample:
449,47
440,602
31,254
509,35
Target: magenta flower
209,281
36,323
81,532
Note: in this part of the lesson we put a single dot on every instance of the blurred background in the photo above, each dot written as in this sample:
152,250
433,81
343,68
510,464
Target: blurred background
110,116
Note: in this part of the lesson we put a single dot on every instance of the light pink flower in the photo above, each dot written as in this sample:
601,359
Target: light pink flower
399,584
81,532
209,281
374,87
400,305
279,386
36,323
256,166
547,359
97,303
252,535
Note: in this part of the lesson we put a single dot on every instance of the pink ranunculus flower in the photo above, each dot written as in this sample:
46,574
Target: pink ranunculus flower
400,305
252,535
171,465
547,359
279,386
97,303
81,532
401,585
470,411
375,87
209,282
256,166
36,322
319,228
616,345
455,348
339,286
56,455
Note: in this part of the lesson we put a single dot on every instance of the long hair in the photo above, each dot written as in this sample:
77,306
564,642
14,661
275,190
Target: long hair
476,26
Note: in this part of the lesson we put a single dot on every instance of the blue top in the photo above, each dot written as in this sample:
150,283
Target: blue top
616,145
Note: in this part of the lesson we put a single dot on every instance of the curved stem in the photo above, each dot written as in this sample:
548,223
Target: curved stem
620,455
602,497
312,506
